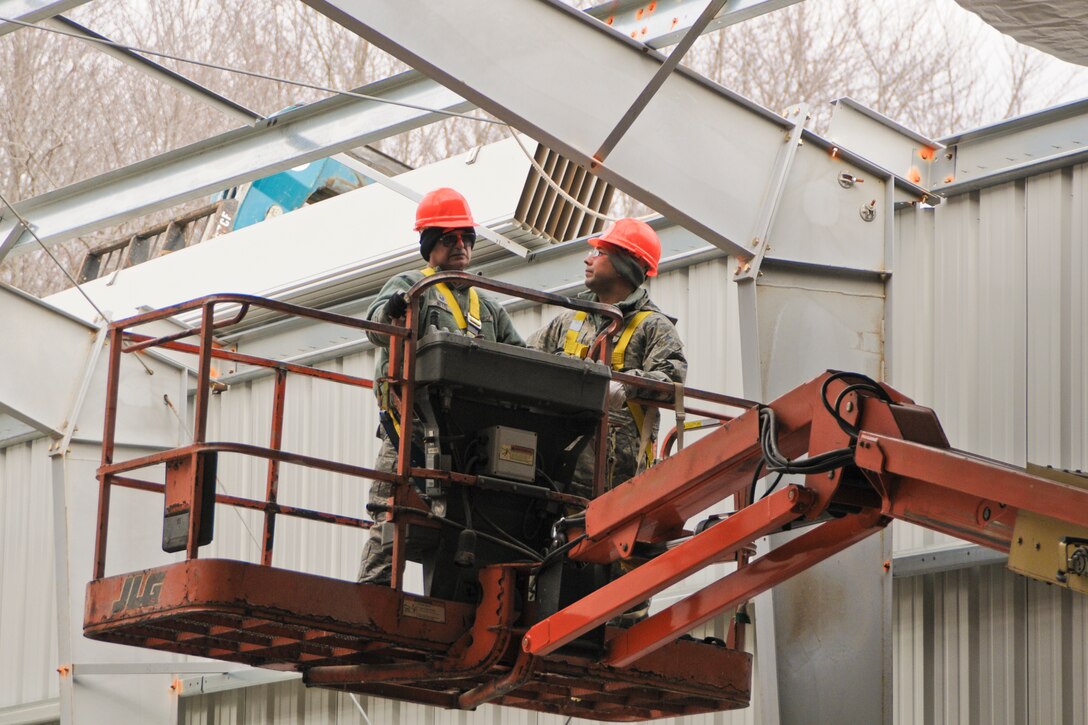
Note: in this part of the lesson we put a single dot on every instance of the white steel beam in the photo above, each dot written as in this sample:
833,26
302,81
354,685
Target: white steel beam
282,142
663,23
243,114
883,141
291,138
31,11
695,153
236,111
1012,149
40,380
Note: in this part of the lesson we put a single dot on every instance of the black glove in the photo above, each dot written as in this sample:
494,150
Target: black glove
397,305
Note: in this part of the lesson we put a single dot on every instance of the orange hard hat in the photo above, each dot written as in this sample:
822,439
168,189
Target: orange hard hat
443,208
636,238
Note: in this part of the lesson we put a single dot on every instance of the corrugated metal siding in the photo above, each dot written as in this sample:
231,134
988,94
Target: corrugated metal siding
322,419
989,321
988,326
28,599
984,645
292,702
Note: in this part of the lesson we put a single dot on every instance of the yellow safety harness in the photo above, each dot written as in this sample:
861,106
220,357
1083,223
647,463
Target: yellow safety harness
572,347
471,325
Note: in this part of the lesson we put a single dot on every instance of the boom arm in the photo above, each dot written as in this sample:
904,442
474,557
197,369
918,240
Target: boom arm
872,456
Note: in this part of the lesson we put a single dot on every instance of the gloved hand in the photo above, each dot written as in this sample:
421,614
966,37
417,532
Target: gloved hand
397,305
617,395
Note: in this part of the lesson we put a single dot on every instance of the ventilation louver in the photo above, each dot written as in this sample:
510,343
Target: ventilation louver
544,212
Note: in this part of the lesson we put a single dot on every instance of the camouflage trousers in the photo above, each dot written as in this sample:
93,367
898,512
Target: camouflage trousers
621,462
376,566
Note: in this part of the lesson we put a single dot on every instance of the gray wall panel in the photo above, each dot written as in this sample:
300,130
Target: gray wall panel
988,327
28,613
987,646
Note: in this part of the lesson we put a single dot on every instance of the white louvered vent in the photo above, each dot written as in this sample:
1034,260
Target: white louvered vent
545,213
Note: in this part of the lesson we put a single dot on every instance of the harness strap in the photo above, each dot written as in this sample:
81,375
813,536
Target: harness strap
571,346
625,338
638,412
470,326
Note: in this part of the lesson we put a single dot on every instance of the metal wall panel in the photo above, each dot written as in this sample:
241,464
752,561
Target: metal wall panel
988,326
321,419
28,612
959,324
987,646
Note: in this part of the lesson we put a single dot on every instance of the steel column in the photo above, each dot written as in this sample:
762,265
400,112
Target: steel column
747,273
748,269
61,574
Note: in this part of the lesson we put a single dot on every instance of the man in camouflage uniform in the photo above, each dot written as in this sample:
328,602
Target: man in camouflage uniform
648,343
647,346
447,236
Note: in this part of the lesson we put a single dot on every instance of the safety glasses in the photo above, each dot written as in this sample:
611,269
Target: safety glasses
450,239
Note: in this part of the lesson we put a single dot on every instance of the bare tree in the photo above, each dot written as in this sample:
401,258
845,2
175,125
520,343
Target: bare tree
925,69
68,112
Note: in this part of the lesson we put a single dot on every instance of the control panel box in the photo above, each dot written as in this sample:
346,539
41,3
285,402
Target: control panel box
511,453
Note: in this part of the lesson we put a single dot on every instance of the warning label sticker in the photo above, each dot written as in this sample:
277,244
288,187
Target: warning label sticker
517,454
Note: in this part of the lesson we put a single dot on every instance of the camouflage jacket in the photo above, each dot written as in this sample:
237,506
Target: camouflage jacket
495,323
654,351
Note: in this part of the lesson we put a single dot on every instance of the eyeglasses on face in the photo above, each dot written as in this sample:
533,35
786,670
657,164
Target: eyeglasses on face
464,236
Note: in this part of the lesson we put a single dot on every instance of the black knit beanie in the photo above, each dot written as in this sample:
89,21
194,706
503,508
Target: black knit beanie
427,239
627,266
